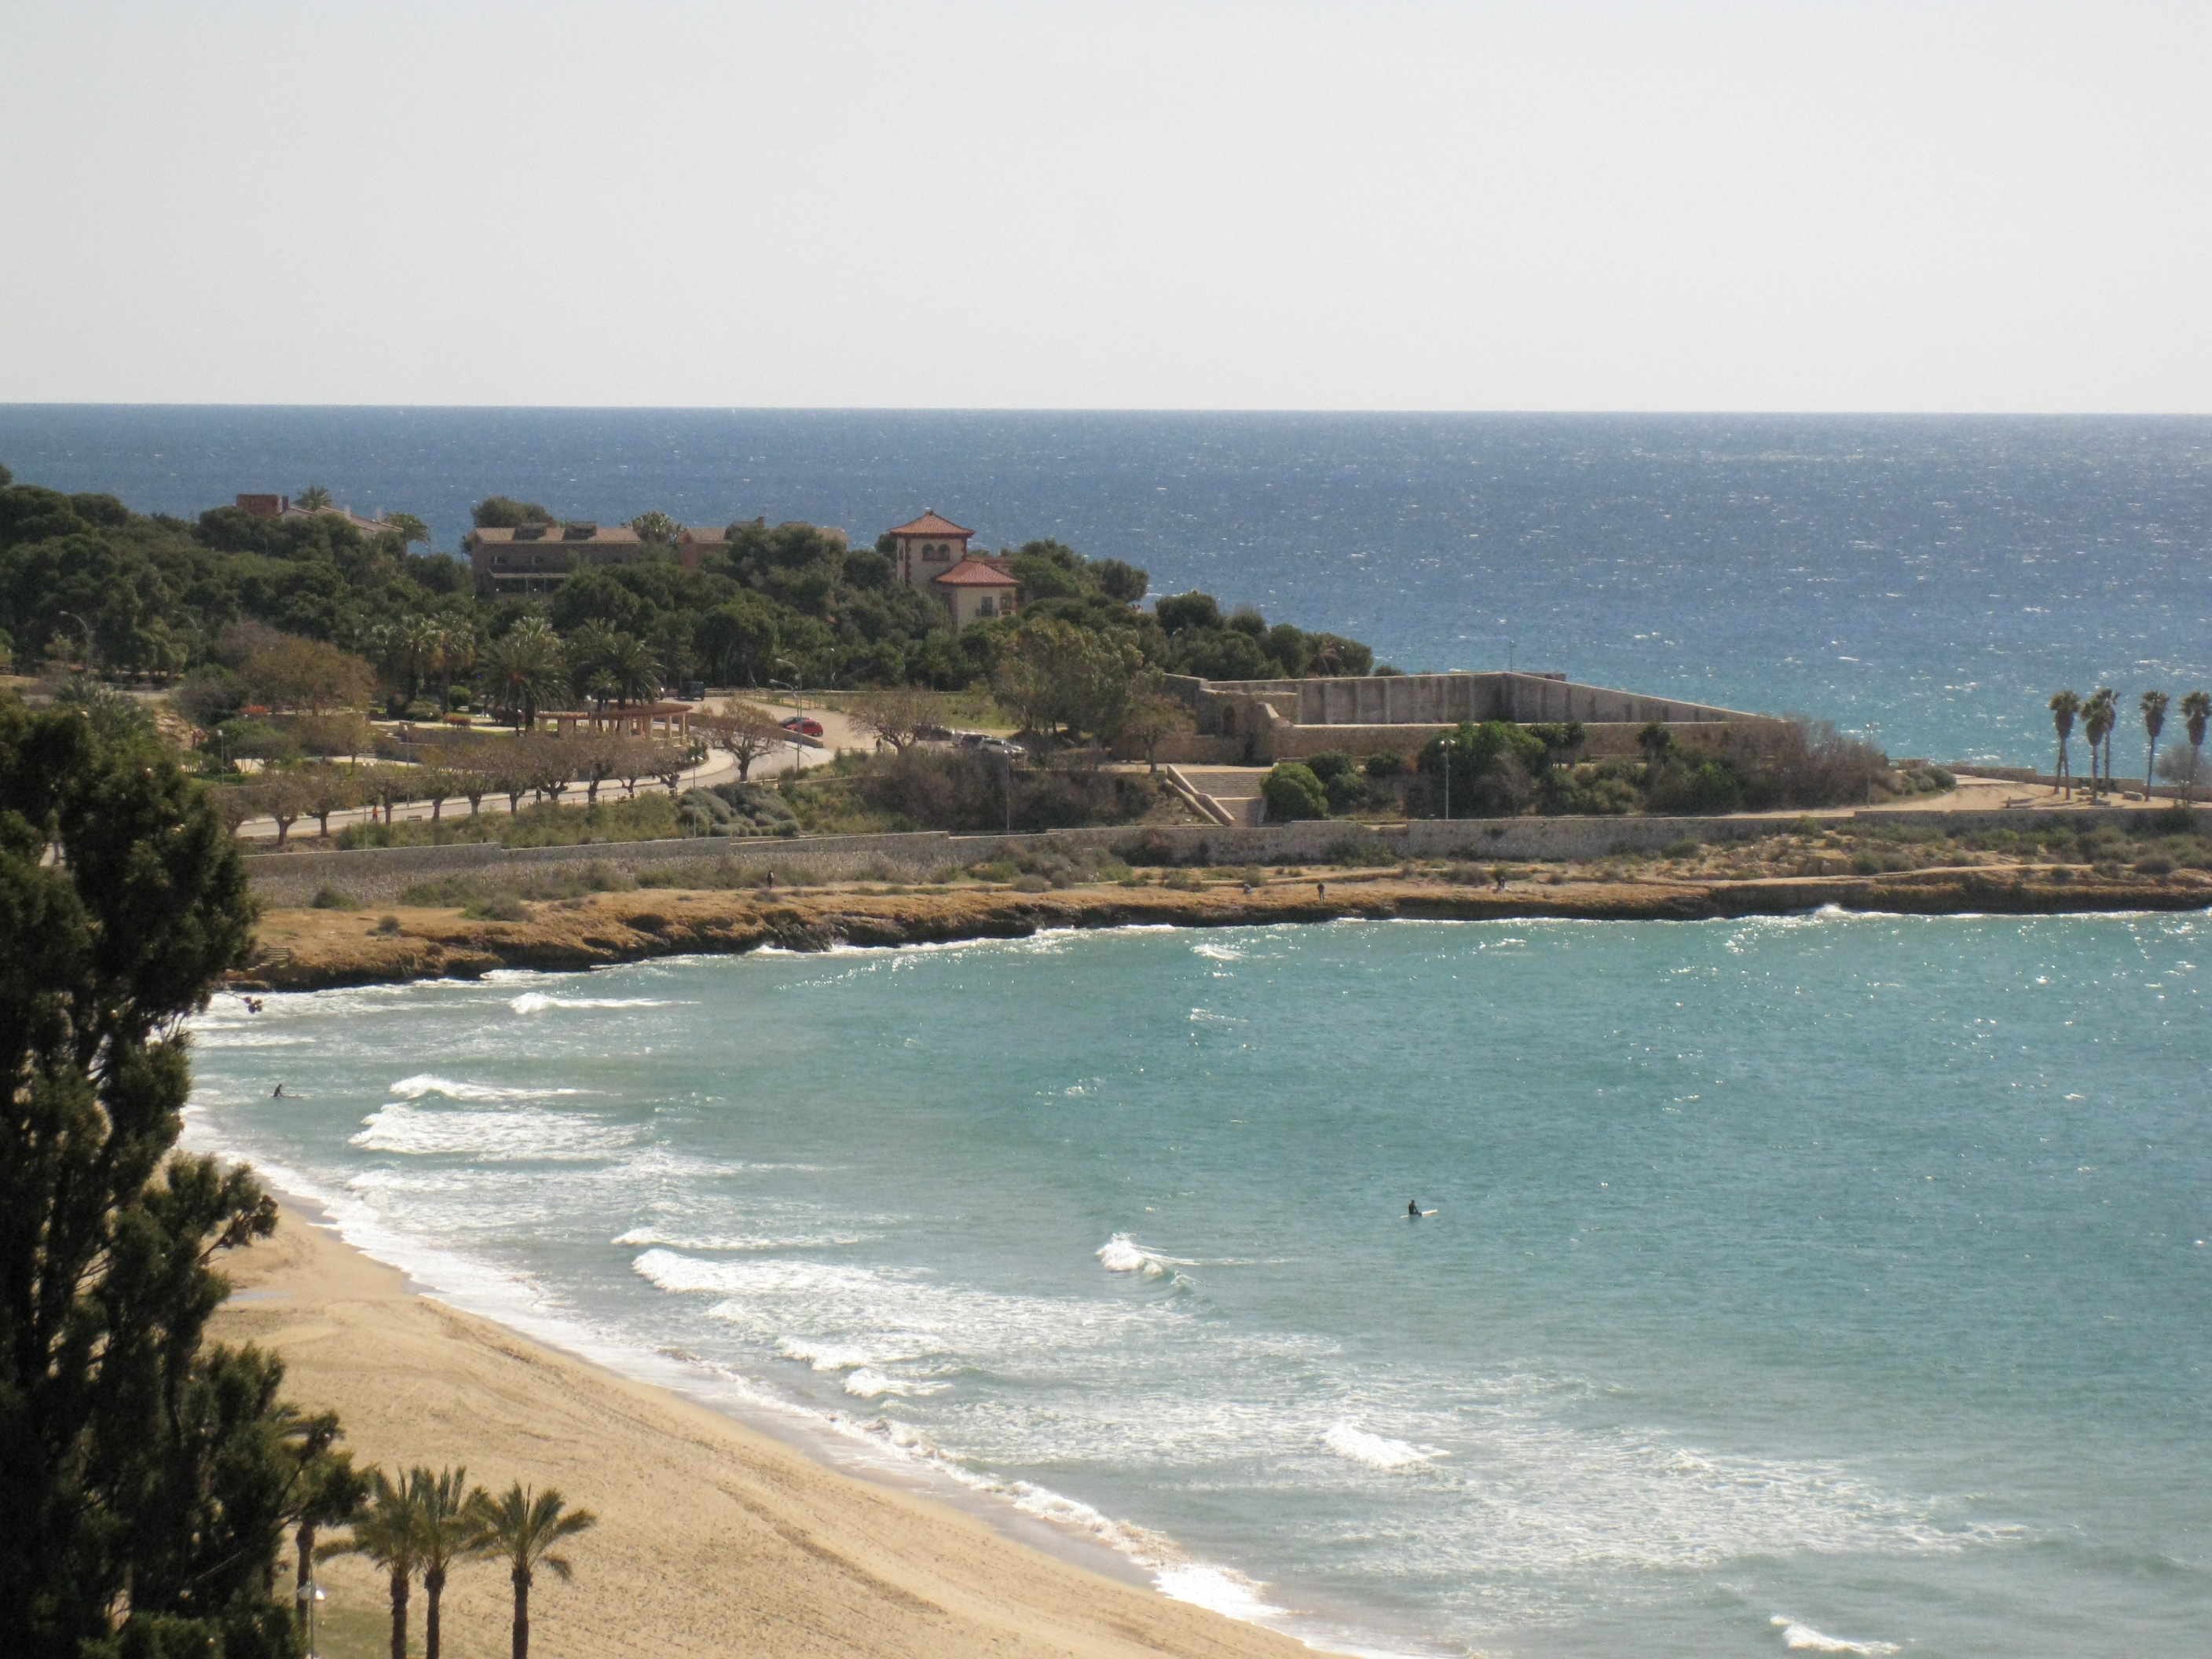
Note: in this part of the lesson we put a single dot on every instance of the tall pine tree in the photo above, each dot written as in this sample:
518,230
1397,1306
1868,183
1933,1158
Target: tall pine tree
145,1479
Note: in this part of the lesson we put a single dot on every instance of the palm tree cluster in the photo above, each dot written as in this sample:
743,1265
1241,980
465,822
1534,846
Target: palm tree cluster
429,1522
2098,716
531,666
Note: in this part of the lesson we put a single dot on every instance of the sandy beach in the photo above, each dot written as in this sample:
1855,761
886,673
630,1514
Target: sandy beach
714,1539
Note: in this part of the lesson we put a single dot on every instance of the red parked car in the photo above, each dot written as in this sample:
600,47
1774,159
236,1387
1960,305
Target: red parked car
806,724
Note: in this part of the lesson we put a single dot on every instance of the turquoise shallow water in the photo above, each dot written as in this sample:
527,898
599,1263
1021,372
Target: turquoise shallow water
1824,1283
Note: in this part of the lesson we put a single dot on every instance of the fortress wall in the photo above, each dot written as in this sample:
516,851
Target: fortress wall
1238,708
1285,742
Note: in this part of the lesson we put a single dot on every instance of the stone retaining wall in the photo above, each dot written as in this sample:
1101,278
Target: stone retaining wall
380,875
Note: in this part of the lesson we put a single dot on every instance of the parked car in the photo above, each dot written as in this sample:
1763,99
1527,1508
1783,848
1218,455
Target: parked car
694,690
1002,747
806,724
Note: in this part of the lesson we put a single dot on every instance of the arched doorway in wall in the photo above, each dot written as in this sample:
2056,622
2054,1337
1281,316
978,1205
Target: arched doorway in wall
1228,720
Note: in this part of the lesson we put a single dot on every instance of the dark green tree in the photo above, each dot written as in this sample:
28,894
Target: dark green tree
144,1479
505,512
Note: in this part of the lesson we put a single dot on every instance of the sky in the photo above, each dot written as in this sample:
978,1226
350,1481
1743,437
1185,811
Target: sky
1208,204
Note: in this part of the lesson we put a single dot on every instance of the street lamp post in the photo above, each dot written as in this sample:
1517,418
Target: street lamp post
311,1600
90,664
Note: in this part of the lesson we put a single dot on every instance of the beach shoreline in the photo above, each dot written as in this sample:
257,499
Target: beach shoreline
716,1534
307,949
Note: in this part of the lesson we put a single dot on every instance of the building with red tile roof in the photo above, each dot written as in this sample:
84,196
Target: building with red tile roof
930,555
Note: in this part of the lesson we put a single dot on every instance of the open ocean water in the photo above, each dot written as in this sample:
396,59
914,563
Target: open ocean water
1935,578
1835,1284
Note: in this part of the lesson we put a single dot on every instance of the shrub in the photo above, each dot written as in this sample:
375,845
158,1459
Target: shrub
334,898
1183,881
1293,792
1685,847
1352,854
498,907
1386,766
388,924
1330,764
1031,884
2155,864
1347,789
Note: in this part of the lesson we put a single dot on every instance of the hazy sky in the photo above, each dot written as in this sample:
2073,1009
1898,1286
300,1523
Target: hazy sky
1371,206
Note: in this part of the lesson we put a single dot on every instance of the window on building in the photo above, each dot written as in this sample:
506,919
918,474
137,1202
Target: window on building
987,606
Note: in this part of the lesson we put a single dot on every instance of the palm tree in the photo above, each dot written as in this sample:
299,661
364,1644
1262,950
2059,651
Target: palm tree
457,655
523,1529
391,1534
445,1533
2098,716
525,671
2153,705
325,1490
314,499
2065,706
2197,710
636,675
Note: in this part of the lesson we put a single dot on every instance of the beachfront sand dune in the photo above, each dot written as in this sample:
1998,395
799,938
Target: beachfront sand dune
713,1539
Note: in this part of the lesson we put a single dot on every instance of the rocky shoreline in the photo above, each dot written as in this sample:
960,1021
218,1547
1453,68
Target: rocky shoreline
303,949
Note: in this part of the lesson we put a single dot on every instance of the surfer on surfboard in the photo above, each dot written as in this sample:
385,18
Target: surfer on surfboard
1414,1210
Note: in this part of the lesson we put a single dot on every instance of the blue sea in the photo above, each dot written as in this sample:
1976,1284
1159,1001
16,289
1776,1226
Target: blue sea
1834,1284
1933,579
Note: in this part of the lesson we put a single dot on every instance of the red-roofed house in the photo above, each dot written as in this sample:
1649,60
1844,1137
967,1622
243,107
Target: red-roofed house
285,510
976,588
930,555
926,548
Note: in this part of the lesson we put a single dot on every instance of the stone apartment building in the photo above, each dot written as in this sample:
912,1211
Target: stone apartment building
536,558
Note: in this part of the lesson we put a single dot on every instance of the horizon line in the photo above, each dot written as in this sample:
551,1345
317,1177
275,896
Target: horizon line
1137,409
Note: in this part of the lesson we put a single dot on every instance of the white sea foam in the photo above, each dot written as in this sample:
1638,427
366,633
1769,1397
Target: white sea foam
1377,1451
643,1236
1214,952
1803,1639
427,1083
536,1002
1222,1589
831,1355
867,1383
514,1134
1123,1254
